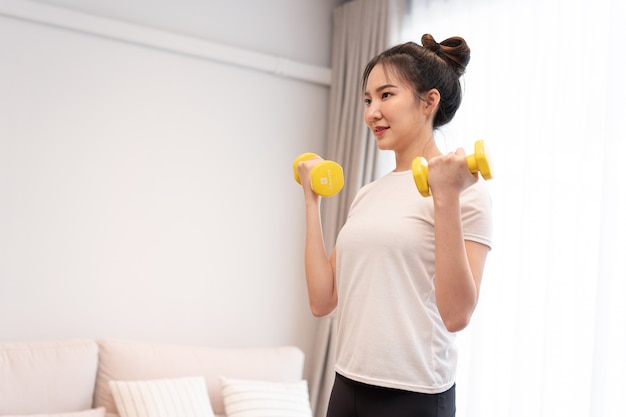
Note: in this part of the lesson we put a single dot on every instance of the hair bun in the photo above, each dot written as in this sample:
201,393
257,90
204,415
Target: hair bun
454,51
429,42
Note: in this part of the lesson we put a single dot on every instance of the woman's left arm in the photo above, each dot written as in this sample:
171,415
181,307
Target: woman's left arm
459,264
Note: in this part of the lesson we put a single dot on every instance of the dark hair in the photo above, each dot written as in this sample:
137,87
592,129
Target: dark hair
432,65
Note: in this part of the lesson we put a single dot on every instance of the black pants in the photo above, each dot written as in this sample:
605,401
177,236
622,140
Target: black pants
355,399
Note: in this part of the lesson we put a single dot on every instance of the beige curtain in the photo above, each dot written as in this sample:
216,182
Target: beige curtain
361,30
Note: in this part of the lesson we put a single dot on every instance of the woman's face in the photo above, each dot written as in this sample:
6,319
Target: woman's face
392,112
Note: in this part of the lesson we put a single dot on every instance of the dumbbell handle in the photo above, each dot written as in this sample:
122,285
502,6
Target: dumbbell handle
480,161
326,176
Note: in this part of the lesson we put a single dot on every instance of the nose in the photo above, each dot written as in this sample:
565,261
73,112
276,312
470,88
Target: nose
372,113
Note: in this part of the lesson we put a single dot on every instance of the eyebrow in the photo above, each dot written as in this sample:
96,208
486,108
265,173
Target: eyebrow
383,87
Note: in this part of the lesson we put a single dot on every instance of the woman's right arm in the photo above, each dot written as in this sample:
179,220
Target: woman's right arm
318,267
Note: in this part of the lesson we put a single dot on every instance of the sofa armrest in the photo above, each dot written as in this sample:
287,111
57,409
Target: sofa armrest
47,377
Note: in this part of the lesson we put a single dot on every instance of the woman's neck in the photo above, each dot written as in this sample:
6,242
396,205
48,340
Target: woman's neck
426,148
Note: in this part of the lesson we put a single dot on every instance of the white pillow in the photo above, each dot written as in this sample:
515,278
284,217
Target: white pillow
248,398
175,397
95,412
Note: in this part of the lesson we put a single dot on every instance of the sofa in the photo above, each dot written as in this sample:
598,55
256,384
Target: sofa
127,378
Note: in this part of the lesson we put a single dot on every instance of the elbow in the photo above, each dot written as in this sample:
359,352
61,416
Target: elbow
320,312
323,309
457,315
457,320
457,323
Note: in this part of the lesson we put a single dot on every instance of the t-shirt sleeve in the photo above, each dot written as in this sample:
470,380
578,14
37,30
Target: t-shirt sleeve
476,214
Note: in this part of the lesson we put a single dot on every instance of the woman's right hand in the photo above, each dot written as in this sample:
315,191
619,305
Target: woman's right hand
304,172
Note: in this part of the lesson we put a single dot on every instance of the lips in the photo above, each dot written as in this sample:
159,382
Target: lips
380,130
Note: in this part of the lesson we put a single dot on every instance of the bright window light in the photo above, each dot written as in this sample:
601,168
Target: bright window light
545,88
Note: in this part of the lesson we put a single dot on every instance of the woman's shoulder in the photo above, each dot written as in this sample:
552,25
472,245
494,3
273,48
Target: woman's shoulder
476,205
477,191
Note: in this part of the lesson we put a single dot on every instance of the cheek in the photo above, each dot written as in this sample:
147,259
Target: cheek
417,116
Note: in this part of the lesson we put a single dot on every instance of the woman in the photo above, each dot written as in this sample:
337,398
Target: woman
406,270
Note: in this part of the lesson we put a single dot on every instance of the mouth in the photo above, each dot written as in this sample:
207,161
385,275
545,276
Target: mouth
379,130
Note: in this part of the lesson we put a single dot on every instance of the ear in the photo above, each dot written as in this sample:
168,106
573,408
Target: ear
431,101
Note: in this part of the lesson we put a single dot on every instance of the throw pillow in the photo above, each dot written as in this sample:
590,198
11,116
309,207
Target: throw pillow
95,412
175,397
248,398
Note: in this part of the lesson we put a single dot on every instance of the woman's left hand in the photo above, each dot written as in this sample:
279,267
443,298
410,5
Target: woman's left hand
450,174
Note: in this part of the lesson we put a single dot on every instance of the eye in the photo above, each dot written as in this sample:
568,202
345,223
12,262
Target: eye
386,94
367,101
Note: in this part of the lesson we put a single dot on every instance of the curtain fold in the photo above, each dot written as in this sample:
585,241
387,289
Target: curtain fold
361,30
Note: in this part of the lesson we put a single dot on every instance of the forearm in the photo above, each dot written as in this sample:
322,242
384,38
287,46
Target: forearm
319,269
456,288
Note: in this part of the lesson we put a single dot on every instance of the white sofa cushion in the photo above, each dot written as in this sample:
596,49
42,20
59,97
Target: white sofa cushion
174,397
131,360
95,412
246,398
47,377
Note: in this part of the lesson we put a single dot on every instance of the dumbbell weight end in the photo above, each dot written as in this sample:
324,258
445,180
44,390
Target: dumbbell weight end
480,161
420,175
327,178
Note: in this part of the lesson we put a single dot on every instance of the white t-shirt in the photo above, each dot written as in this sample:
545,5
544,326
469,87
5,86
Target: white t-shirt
390,333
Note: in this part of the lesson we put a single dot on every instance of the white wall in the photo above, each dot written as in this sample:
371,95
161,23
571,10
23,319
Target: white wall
146,194
297,29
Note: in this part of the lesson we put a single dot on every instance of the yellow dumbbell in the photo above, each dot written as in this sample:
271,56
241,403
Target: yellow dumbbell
326,176
479,162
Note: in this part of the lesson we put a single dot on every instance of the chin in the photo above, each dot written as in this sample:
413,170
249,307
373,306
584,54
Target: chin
381,145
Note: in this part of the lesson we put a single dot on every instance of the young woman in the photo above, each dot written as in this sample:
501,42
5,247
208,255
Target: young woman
406,270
